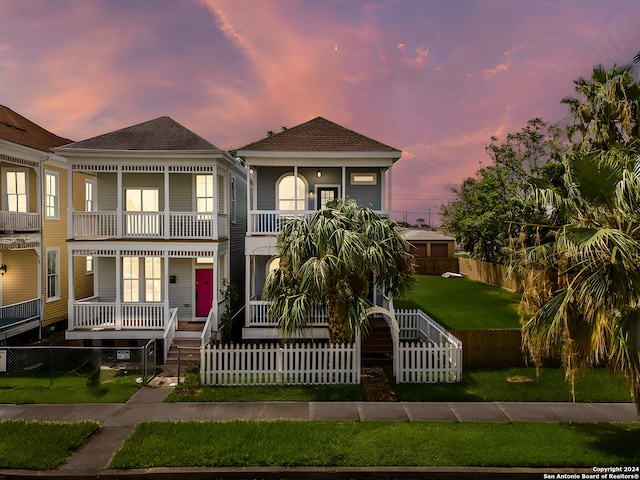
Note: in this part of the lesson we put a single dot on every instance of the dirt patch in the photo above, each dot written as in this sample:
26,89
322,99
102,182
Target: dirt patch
377,385
519,379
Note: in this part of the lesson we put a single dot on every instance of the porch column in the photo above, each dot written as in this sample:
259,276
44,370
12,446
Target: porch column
247,285
216,204
249,204
118,285
214,285
70,233
295,187
344,183
165,293
71,294
166,220
119,207
389,206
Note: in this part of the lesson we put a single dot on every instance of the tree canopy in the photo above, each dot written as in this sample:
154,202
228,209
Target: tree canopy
485,207
335,259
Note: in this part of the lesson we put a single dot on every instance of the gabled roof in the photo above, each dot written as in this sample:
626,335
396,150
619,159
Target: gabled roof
162,133
17,129
318,135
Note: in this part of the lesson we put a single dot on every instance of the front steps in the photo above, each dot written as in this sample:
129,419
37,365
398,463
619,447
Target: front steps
185,345
377,346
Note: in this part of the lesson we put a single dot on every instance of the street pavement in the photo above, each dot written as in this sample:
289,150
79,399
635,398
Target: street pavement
118,421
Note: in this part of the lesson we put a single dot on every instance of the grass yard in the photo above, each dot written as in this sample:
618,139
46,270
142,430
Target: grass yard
511,384
361,444
41,445
113,388
463,304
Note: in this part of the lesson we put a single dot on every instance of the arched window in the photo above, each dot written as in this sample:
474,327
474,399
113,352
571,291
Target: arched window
273,264
286,192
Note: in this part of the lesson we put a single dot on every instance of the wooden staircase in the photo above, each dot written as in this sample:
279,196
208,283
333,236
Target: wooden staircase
186,344
377,346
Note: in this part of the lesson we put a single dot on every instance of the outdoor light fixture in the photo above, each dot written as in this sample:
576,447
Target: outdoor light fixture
3,269
319,173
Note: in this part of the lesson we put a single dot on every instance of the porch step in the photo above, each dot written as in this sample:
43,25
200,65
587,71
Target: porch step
377,346
186,348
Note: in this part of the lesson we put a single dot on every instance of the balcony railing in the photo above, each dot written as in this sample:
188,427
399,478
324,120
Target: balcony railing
174,225
90,314
20,221
269,222
259,309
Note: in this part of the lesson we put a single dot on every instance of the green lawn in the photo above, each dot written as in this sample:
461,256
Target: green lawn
508,384
463,304
360,444
41,445
113,388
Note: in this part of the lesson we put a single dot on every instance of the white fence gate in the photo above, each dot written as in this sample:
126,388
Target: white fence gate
280,364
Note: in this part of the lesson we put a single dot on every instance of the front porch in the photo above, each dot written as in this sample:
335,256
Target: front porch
19,318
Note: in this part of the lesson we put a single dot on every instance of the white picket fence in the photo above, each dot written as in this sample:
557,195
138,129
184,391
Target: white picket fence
272,364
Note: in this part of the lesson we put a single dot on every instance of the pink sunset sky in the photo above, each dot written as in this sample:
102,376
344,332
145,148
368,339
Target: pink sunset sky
435,79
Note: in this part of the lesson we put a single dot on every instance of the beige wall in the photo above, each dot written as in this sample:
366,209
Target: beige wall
20,283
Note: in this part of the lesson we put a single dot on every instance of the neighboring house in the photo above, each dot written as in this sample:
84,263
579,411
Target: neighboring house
429,244
296,172
33,260
162,219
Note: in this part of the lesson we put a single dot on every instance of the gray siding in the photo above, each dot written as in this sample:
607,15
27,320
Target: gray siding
237,232
181,195
106,189
106,279
181,292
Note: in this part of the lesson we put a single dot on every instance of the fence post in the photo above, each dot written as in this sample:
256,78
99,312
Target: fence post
279,365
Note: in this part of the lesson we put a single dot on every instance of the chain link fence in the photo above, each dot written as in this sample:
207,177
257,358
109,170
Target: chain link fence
56,363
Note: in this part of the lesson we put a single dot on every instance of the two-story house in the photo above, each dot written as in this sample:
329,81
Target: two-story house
33,261
296,172
163,216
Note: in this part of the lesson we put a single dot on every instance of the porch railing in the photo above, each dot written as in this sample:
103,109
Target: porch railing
20,221
90,314
18,312
259,315
184,225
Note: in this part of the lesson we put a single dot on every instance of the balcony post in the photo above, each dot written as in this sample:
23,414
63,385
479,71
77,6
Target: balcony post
344,183
167,233
119,207
165,293
70,233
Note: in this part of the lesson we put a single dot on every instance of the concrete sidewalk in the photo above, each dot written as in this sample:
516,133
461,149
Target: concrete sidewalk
119,420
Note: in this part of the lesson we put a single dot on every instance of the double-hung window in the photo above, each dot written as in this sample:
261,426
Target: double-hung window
142,205
16,197
53,274
51,195
142,278
204,196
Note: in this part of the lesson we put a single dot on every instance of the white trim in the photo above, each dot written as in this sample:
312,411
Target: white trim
325,185
296,175
94,194
301,156
352,180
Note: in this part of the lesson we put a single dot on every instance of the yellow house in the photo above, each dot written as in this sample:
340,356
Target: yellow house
33,221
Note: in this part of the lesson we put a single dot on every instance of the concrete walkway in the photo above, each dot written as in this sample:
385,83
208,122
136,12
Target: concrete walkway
118,420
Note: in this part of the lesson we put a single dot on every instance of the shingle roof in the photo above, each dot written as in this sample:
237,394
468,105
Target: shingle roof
17,129
162,133
318,135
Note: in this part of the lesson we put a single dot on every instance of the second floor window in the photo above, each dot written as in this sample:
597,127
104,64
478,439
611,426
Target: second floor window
291,193
53,274
16,196
51,202
139,200
89,193
204,193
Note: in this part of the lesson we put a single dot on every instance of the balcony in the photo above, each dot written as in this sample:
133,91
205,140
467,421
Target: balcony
259,309
20,221
155,225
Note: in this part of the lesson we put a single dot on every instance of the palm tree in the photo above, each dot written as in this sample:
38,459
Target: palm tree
581,296
335,258
606,109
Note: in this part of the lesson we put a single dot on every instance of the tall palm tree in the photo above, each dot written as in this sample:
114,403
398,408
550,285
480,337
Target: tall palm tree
334,258
605,112
581,298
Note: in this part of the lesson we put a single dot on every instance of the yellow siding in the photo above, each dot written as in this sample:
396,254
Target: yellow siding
20,283
55,236
83,282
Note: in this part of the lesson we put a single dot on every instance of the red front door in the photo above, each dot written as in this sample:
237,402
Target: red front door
204,292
